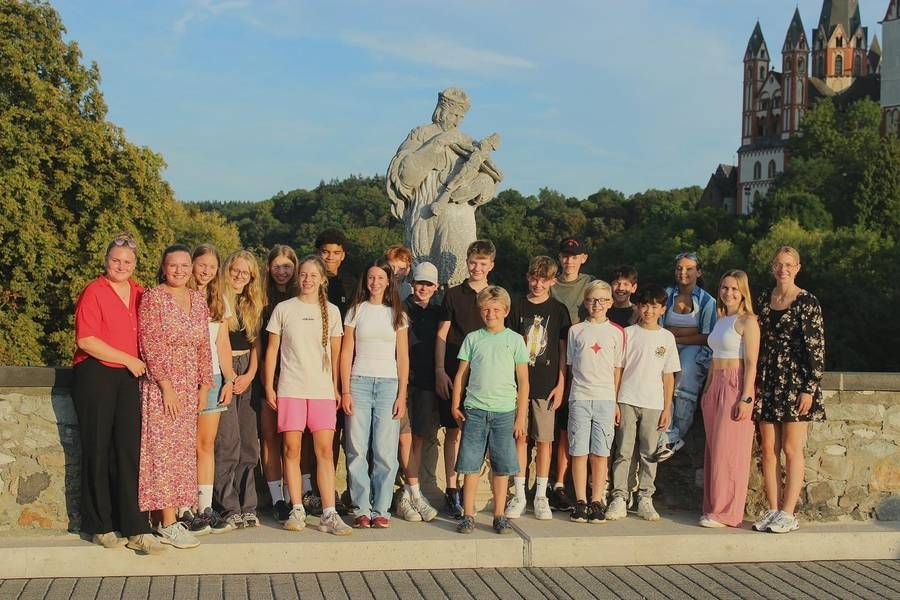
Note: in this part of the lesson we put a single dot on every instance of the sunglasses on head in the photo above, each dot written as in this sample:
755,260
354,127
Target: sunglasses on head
688,255
124,240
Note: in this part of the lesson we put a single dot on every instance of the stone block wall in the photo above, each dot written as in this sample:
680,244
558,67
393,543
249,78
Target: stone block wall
853,459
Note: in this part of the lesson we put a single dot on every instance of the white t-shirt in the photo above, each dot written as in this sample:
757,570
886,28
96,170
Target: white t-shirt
303,359
213,335
375,339
594,351
648,355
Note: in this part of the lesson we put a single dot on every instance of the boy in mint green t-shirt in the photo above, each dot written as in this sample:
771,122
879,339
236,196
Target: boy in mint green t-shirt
496,405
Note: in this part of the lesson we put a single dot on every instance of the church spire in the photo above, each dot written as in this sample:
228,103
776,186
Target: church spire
795,39
756,45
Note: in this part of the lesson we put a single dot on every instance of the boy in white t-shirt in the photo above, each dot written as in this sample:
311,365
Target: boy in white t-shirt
645,401
595,353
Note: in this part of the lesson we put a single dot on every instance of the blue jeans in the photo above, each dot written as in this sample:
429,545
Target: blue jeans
695,361
488,431
372,428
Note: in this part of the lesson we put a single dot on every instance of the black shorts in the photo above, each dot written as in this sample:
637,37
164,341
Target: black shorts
562,417
445,417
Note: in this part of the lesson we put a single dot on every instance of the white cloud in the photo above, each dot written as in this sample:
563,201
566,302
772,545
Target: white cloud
436,51
204,9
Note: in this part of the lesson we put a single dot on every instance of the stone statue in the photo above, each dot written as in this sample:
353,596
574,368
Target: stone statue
436,180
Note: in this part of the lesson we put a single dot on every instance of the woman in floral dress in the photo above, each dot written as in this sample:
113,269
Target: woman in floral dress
174,340
789,394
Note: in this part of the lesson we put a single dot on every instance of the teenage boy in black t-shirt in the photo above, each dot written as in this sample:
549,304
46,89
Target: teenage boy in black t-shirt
544,323
460,316
624,283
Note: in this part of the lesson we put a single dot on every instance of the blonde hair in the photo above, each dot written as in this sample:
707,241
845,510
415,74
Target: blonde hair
743,285
543,267
494,293
597,284
247,307
786,250
213,296
322,295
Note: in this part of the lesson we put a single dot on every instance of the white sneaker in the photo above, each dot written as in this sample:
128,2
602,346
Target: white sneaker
616,509
710,523
425,510
515,507
177,535
406,510
542,509
645,509
334,524
783,523
763,524
145,543
296,521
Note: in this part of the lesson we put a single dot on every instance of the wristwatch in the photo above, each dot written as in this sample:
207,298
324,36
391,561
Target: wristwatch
747,400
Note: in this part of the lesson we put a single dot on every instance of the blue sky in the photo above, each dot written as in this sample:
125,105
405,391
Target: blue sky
244,98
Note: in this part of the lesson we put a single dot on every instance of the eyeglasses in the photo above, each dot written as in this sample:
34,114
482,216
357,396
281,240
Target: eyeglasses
595,301
241,274
125,240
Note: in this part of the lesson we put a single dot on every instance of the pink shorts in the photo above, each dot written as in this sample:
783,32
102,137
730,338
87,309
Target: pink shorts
297,414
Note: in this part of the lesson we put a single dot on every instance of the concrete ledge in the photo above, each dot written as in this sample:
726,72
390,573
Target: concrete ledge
39,377
677,539
269,549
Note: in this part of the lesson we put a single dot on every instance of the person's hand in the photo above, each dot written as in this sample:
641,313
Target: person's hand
399,408
226,393
664,419
337,399
741,410
241,383
804,403
136,366
443,385
347,403
450,137
458,415
618,417
170,402
272,399
555,398
519,427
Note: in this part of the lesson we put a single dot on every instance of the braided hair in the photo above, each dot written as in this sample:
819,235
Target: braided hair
322,295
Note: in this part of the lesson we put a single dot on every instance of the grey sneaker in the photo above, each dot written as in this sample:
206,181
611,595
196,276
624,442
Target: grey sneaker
466,524
108,540
234,521
542,509
783,523
425,510
334,524
502,525
616,509
145,543
177,535
645,510
250,520
296,521
406,510
763,523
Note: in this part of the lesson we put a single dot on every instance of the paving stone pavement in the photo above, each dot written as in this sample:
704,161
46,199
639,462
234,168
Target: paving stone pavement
812,580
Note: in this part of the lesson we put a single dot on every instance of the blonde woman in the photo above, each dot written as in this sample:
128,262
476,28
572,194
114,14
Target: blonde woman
791,365
237,441
727,404
305,338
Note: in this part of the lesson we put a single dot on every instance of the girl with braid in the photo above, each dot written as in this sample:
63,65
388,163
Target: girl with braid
305,340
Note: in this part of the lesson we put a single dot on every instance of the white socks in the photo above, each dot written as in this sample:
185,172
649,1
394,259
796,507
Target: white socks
520,486
307,484
204,497
540,489
276,491
328,510
413,490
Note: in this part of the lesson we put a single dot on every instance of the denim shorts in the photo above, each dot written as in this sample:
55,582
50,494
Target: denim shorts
488,432
591,427
212,401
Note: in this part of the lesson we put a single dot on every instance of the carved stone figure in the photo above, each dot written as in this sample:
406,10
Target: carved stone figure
436,180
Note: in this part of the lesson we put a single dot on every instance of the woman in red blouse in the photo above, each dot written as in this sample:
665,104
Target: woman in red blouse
107,365
175,343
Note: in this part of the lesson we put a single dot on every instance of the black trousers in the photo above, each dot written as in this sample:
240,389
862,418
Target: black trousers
108,405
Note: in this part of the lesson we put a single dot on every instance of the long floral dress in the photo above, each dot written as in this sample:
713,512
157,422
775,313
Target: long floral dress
175,347
791,359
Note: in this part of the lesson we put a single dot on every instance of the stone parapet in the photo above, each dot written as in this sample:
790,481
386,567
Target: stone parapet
853,458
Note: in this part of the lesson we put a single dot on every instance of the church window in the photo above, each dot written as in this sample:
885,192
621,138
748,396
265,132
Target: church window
840,42
757,170
756,198
838,65
762,72
857,65
771,169
800,64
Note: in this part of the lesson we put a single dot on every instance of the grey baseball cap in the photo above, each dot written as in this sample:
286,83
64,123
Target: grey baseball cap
425,271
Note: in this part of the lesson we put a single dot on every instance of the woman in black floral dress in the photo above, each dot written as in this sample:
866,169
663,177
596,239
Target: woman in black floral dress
789,395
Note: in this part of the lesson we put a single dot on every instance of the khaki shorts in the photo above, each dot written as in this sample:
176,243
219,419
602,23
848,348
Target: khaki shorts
541,420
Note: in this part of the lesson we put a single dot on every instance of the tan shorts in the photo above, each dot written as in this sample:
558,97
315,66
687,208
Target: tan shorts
541,420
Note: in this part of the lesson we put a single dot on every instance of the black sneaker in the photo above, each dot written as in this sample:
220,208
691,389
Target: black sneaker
216,523
340,506
466,525
196,524
281,511
501,525
580,512
312,504
347,503
559,499
596,512
454,508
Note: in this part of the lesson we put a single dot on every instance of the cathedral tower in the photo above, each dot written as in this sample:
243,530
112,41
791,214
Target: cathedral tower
840,44
795,59
890,68
756,68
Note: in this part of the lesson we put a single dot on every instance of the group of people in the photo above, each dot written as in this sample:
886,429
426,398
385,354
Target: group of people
183,389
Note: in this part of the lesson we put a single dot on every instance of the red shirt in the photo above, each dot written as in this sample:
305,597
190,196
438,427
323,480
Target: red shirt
101,313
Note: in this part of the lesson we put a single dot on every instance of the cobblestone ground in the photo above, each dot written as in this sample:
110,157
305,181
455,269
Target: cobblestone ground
815,580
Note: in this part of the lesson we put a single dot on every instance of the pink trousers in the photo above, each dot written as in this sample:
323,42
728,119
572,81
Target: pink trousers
729,444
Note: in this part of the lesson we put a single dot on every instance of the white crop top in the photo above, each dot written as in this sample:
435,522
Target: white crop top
676,319
724,340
